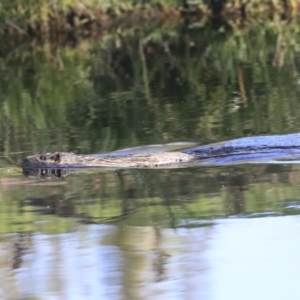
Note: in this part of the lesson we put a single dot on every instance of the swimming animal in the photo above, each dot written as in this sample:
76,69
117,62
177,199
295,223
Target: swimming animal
257,149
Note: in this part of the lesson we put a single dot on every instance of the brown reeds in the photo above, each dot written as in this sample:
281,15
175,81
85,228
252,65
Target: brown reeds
85,18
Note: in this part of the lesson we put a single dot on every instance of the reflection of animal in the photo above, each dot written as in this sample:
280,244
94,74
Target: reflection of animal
46,172
244,150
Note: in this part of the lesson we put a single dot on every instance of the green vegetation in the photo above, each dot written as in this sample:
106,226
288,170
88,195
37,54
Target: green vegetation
203,80
197,84
48,20
85,18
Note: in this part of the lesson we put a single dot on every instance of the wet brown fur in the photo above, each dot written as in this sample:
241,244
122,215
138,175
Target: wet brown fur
71,160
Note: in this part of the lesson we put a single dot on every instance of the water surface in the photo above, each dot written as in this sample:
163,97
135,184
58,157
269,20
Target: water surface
207,232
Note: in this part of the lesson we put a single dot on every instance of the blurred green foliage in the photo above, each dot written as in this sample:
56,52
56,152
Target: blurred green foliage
144,86
196,81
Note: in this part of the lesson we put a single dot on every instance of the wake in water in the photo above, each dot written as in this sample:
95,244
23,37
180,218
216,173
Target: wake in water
261,149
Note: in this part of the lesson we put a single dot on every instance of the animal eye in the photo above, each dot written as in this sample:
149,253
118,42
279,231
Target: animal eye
57,158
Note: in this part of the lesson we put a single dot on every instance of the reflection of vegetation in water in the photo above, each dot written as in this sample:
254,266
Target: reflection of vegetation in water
150,86
173,198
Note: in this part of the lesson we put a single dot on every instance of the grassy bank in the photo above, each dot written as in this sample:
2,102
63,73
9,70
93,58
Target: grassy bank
44,19
186,81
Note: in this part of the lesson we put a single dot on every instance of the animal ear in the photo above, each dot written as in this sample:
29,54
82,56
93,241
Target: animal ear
57,158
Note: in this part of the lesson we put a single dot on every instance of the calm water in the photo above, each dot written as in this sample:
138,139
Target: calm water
228,232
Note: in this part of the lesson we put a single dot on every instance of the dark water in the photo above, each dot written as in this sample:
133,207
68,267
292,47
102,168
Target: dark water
229,232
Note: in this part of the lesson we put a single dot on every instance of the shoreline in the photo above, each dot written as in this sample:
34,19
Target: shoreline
87,21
